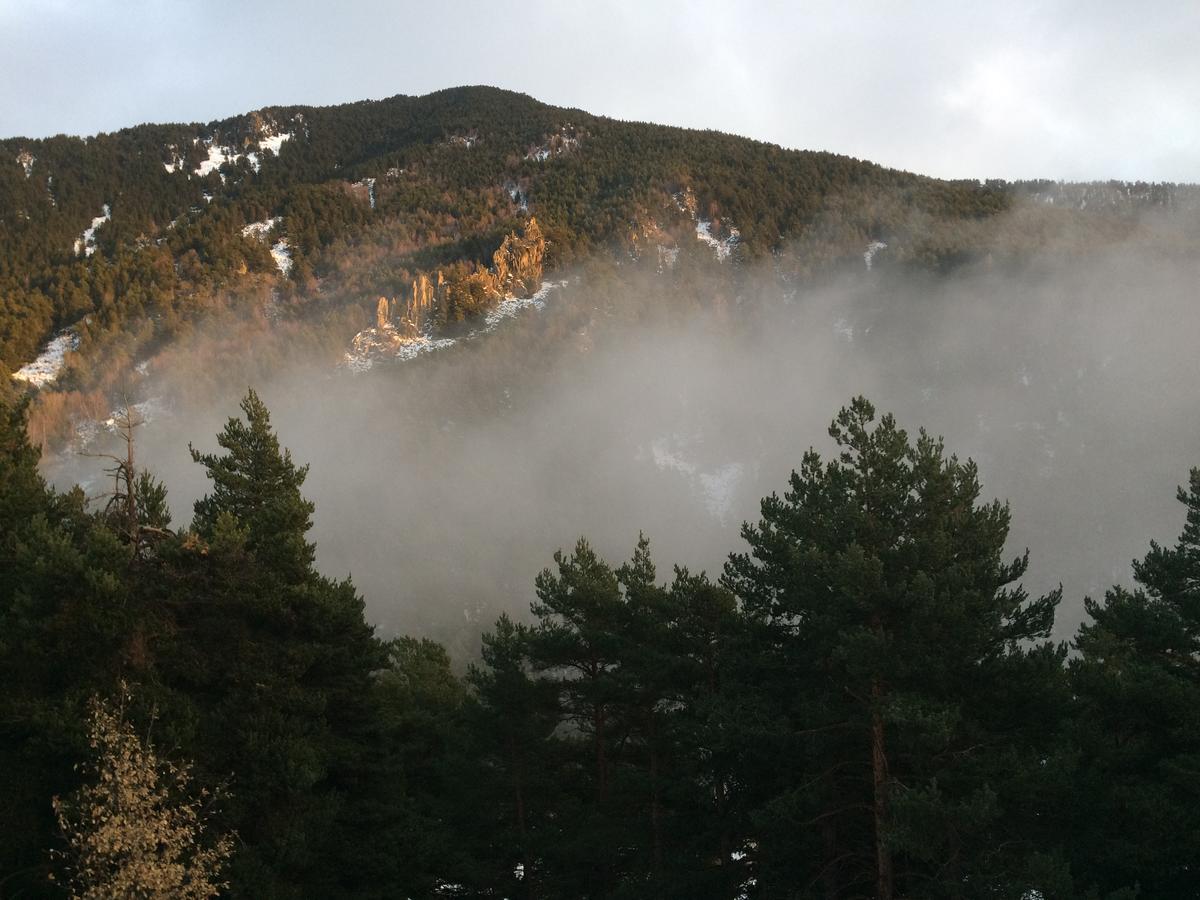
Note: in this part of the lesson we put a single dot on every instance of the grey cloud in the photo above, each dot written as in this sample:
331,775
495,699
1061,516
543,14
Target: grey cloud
977,90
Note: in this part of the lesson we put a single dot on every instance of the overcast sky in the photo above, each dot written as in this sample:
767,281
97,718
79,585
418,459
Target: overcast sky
1007,89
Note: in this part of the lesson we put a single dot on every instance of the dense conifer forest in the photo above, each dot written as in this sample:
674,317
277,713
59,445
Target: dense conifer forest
863,703
137,239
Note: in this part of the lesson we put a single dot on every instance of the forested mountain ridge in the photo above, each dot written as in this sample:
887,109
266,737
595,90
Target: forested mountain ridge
132,237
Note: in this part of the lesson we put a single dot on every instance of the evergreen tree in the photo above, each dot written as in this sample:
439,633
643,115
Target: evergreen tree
576,645
892,624
69,626
273,665
514,719
419,703
257,484
1136,799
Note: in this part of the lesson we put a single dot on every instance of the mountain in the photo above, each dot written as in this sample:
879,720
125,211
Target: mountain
310,215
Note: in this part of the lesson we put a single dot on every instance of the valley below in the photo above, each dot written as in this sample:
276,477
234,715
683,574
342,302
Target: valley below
444,480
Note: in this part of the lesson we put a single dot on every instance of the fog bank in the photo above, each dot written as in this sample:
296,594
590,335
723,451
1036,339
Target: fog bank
444,485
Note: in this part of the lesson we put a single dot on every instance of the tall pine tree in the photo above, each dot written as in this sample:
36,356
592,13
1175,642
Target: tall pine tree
1136,800
891,623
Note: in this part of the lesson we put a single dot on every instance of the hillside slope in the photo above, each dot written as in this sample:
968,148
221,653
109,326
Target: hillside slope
307,216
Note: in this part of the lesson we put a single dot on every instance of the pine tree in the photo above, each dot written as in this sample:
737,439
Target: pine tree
514,720
257,484
577,642
277,662
888,616
576,646
68,623
1136,800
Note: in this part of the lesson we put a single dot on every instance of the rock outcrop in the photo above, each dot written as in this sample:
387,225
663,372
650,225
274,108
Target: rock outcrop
517,264
516,270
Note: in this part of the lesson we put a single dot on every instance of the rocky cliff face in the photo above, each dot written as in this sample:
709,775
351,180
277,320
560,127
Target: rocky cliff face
517,264
516,270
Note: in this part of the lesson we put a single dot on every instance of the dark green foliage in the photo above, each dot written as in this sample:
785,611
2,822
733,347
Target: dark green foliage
68,627
258,486
866,688
893,628
1137,680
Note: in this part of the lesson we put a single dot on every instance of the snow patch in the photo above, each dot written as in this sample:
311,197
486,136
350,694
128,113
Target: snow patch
274,142
565,140
87,241
514,193
219,155
176,163
271,142
511,306
872,248
26,161
667,257
686,202
281,252
43,370
259,229
716,487
722,249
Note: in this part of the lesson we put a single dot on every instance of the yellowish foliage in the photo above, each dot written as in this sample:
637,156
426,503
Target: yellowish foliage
136,830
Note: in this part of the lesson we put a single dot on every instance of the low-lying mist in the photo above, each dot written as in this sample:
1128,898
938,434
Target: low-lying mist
444,484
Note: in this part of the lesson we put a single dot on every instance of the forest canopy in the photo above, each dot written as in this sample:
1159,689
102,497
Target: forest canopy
864,702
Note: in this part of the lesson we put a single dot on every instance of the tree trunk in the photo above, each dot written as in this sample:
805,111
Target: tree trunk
879,773
655,804
829,877
519,802
598,721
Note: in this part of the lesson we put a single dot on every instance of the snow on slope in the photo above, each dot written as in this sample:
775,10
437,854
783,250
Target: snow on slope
281,250
872,248
716,486
87,241
219,155
722,249
510,306
43,370
259,229
274,142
